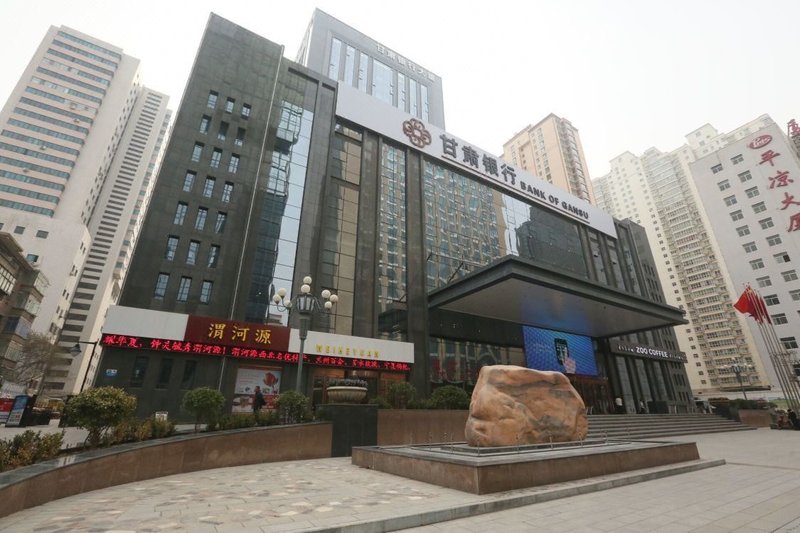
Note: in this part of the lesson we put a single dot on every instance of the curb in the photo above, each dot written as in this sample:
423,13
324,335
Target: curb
502,503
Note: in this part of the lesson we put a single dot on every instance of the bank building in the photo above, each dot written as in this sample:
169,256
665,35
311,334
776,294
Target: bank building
444,258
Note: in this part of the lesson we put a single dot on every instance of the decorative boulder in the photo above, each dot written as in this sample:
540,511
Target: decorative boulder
512,405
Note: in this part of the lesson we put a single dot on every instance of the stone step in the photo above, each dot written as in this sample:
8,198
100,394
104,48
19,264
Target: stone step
638,435
648,426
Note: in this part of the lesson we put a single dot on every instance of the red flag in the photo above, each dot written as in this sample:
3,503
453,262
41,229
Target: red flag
750,303
745,303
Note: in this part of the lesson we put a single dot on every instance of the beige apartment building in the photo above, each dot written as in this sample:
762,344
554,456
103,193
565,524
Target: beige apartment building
80,138
552,150
657,190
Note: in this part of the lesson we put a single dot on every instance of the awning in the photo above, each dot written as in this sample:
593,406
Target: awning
520,291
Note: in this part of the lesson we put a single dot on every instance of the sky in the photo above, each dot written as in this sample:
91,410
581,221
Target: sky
629,74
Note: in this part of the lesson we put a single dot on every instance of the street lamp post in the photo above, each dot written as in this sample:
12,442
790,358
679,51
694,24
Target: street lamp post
76,350
306,305
738,369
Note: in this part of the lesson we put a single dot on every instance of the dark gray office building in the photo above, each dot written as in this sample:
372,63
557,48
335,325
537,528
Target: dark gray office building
275,172
334,49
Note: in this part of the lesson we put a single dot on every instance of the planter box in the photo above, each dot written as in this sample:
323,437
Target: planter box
106,467
759,418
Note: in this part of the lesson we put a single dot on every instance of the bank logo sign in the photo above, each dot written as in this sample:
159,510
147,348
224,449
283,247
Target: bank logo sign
382,118
415,131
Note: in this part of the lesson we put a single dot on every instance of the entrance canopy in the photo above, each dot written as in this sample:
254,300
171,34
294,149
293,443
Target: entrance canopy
517,290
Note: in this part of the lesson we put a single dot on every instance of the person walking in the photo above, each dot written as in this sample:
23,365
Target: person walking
642,408
258,400
619,407
793,419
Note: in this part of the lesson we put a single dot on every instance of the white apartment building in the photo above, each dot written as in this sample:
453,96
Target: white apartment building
79,140
657,191
750,189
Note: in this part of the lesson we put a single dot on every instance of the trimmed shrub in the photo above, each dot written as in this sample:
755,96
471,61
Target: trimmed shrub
28,448
401,393
204,403
450,397
381,402
293,407
99,409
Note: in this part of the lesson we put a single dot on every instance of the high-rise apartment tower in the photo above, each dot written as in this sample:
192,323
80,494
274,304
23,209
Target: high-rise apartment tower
79,140
552,150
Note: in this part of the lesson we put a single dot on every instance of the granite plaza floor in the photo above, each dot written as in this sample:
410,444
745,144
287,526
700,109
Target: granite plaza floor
757,490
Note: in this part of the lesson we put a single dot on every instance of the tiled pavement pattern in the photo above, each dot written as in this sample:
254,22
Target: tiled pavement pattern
758,490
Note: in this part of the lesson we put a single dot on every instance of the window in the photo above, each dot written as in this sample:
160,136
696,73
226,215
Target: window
32,258
187,381
716,168
161,286
239,141
197,152
779,319
745,176
205,122
42,234
772,299
756,264
19,230
229,103
737,159
216,157
188,181
139,370
180,213
222,134
183,289
752,192
200,221
212,99
213,256
737,215
246,111
730,200
227,192
191,254
789,275
205,291
208,189
759,207
164,373
766,223
773,240
219,225
789,343
172,247
781,257
764,282
749,247
742,231
233,164
724,184
795,294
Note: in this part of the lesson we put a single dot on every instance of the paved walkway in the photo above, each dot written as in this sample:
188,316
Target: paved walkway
758,490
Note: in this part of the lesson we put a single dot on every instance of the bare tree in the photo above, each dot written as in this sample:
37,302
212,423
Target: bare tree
36,357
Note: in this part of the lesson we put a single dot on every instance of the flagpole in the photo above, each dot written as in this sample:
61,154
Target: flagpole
778,355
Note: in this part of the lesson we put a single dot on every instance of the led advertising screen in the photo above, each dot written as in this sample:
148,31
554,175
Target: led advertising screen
546,349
